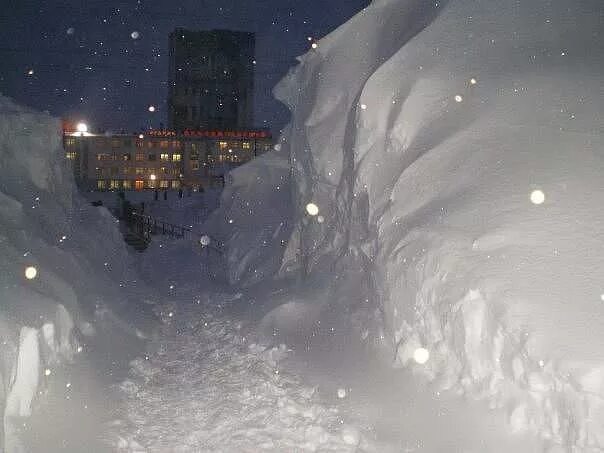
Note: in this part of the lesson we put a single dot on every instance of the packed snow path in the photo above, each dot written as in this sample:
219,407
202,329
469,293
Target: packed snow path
204,388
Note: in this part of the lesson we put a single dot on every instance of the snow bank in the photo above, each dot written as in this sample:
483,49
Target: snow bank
454,150
64,270
253,223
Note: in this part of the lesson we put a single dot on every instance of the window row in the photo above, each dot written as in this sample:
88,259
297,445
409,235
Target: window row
139,184
115,171
164,144
140,157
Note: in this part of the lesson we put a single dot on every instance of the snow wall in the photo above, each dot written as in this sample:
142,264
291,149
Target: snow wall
82,284
455,152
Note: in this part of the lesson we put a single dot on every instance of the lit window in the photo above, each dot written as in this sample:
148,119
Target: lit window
100,184
223,145
163,170
127,170
140,171
140,157
175,184
139,185
126,156
71,155
164,156
127,184
195,165
114,184
140,144
176,157
194,155
246,145
164,184
102,156
70,142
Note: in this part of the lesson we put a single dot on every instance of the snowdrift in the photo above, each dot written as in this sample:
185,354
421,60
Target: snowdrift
250,230
64,269
455,153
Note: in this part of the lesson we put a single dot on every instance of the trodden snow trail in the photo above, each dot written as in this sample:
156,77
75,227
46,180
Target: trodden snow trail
204,388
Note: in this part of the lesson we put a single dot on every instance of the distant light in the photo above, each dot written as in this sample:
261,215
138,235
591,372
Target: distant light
152,177
320,219
47,372
473,81
364,106
537,197
31,272
135,35
30,72
314,45
205,240
341,393
458,98
312,209
141,136
602,297
82,127
70,31
309,38
152,108
421,355
253,61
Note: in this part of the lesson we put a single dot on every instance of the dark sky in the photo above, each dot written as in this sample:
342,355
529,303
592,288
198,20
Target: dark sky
86,64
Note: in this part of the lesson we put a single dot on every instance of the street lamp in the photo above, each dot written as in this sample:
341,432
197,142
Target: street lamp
82,128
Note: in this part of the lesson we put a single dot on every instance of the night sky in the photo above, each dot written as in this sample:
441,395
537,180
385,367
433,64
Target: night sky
106,62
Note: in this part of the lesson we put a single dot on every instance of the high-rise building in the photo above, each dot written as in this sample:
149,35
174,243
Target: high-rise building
211,80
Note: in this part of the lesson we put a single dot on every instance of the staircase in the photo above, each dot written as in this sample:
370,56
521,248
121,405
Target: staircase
135,240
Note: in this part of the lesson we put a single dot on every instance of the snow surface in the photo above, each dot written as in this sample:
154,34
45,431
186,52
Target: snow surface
424,133
207,388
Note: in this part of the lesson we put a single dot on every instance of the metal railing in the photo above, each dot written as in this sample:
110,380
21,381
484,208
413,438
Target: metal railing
146,226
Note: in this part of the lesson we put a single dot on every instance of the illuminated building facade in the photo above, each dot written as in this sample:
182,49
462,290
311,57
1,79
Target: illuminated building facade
211,80
160,159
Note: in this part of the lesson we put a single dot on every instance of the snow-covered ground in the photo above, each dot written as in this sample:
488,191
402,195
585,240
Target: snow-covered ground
426,240
206,385
207,388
